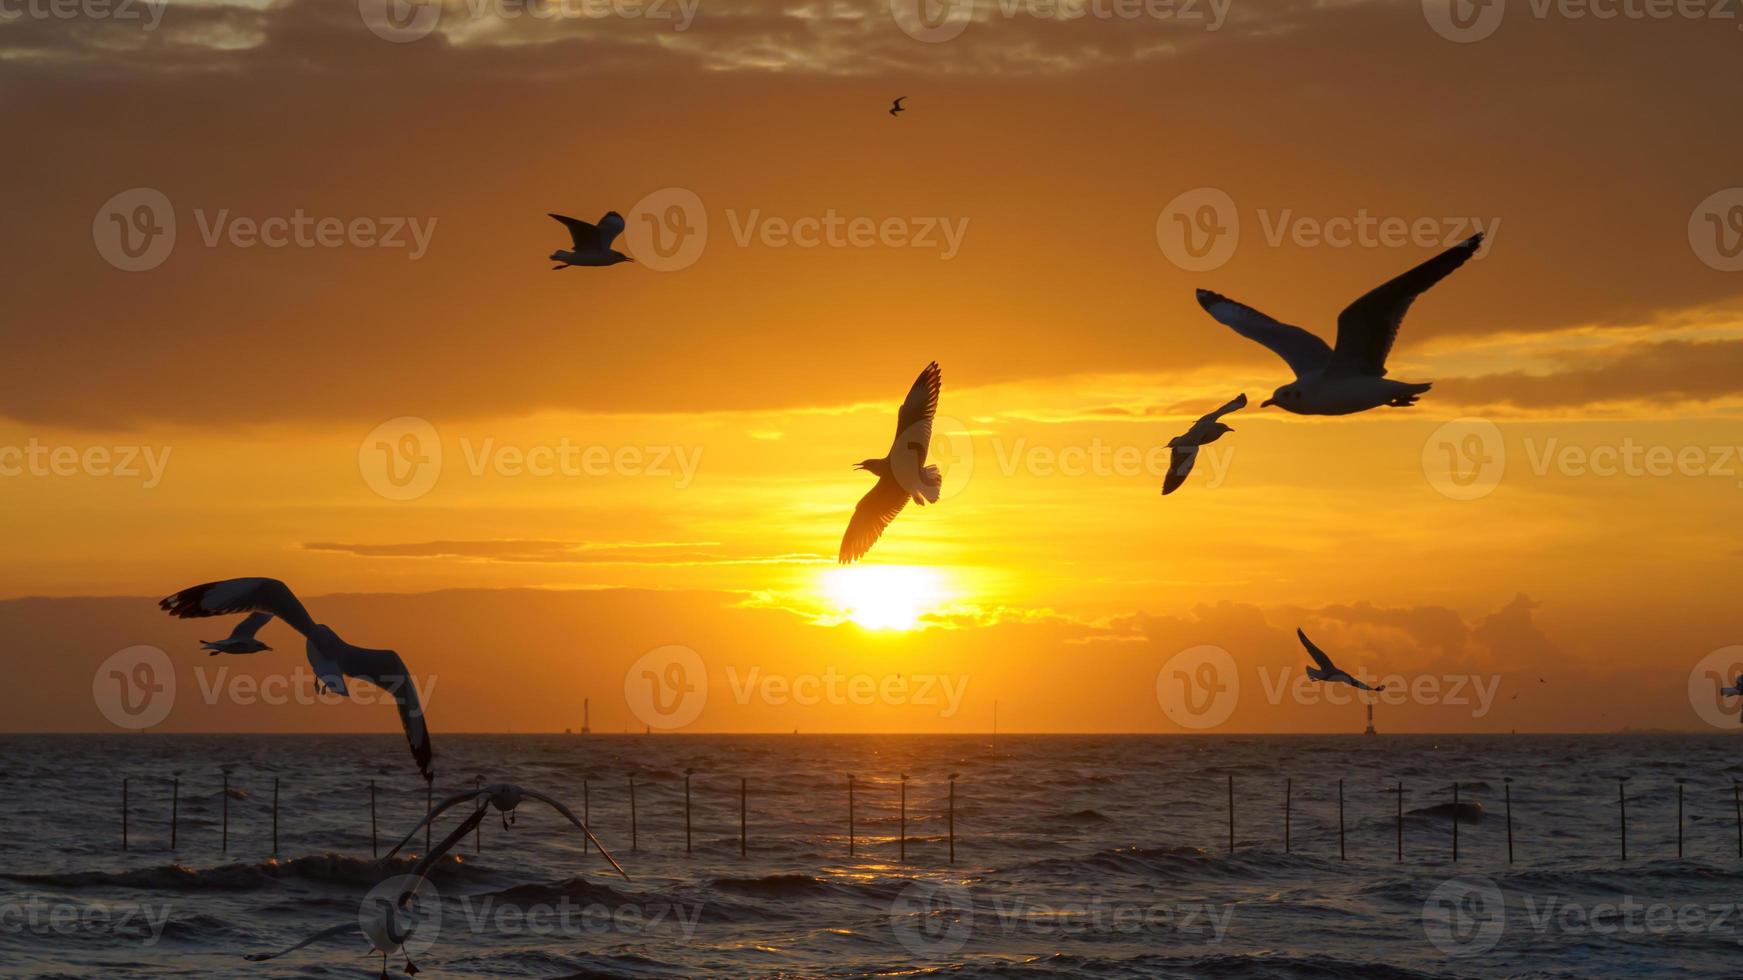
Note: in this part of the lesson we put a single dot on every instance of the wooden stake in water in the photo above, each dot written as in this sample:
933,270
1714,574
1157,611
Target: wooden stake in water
742,782
1288,795
226,844
374,846
1737,805
850,822
1622,811
903,852
124,813
950,819
478,829
1341,821
1231,814
1455,816
275,816
429,808
175,811
586,813
1400,791
1679,783
632,832
1507,788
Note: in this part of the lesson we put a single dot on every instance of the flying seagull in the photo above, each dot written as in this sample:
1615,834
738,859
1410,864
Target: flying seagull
1209,428
902,473
332,658
1351,377
506,797
897,106
1328,671
592,243
388,925
241,639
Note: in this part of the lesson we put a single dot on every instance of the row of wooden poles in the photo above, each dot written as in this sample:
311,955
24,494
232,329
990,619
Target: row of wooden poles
950,816
586,812
1507,797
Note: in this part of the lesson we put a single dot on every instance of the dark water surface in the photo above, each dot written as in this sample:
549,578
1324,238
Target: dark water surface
1075,856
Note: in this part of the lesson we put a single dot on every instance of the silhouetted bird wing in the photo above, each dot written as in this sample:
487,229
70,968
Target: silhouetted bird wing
610,226
914,420
583,236
1367,327
246,629
875,511
240,595
1302,351
386,670
437,810
1233,405
324,934
560,808
1179,465
1316,653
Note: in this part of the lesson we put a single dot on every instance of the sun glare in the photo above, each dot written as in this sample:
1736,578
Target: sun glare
884,597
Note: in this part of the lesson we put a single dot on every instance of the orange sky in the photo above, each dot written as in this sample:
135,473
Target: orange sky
710,412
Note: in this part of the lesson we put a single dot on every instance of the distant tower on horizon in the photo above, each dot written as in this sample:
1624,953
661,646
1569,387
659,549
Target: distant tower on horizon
1367,731
587,709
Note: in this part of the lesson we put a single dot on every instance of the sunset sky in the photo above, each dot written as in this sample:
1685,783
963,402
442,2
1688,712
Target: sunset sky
1019,224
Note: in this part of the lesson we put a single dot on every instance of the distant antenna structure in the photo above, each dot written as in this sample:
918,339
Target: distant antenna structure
587,711
1366,731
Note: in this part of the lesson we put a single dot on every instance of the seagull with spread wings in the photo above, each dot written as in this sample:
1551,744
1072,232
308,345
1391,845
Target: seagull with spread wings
1328,671
902,473
1351,377
1209,428
592,243
505,797
332,658
897,106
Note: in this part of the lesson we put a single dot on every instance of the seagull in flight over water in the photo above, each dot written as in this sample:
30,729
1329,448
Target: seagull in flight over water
902,473
1328,671
897,106
592,243
1351,377
1209,428
332,658
506,797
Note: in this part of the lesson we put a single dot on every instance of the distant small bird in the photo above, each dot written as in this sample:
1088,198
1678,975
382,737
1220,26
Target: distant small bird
331,657
1328,671
1732,692
592,243
241,639
505,797
1208,428
902,473
1352,377
897,106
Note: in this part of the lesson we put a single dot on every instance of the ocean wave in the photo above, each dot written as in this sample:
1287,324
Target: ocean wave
337,868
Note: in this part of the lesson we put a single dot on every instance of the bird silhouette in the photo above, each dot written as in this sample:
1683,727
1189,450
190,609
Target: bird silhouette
1351,377
897,106
902,473
591,243
1209,428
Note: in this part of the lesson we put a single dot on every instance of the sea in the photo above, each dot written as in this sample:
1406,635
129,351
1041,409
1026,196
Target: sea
958,856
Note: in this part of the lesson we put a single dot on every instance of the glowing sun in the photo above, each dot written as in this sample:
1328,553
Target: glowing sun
884,597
